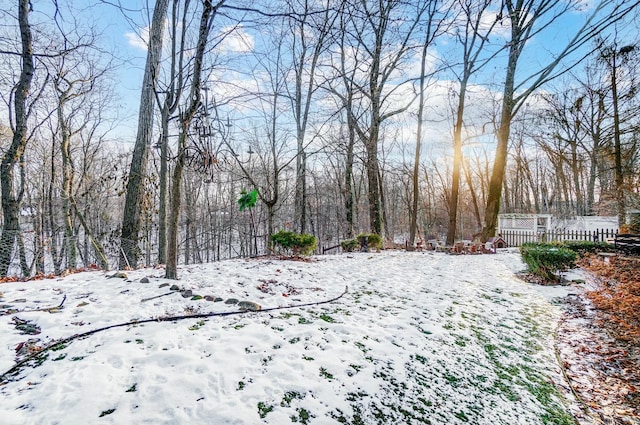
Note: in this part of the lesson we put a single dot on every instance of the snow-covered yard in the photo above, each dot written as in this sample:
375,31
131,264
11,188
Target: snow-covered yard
419,338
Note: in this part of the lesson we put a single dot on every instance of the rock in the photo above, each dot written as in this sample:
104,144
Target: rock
144,280
119,275
196,297
217,300
187,293
174,288
249,305
231,301
209,298
164,285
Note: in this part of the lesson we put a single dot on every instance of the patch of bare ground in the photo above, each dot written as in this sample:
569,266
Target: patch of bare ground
598,343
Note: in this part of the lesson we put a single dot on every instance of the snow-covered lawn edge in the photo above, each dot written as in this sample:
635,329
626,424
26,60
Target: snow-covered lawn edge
419,338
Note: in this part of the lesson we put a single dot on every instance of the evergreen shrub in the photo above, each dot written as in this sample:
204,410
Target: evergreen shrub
349,245
545,259
294,243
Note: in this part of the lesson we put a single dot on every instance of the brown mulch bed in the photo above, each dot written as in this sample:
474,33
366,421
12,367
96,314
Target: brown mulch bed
598,342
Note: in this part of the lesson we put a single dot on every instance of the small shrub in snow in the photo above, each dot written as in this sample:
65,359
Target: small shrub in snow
294,243
349,245
545,260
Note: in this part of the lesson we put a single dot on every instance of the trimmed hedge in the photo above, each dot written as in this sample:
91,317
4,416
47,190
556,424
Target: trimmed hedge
544,259
294,243
588,247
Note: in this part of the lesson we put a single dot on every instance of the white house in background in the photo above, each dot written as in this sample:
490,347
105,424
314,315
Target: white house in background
543,223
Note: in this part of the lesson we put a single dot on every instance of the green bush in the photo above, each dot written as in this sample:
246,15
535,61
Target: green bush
373,240
588,247
349,245
294,243
546,259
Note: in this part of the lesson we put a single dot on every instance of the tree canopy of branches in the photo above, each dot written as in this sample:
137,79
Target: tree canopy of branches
400,118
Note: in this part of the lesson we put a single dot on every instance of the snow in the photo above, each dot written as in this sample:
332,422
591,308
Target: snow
419,337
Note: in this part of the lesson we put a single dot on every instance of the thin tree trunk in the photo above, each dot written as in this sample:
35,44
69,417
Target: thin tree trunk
348,180
53,225
67,187
206,19
618,176
413,225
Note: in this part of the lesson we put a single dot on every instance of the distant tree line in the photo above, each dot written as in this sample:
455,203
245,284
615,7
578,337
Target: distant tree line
409,120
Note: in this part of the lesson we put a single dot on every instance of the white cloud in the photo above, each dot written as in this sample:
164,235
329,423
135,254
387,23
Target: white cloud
488,23
236,40
139,39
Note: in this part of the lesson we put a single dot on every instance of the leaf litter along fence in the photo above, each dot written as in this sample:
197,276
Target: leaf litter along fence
517,238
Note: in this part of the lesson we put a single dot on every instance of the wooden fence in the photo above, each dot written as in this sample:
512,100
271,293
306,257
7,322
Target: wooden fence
517,238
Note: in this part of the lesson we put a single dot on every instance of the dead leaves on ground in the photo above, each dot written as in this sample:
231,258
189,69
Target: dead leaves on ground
618,295
599,342
41,276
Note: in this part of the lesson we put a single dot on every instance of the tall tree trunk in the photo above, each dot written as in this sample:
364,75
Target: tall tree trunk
621,209
206,19
305,64
494,195
373,192
383,208
170,104
67,187
457,166
301,188
348,180
171,271
577,180
53,225
130,251
10,199
413,224
162,201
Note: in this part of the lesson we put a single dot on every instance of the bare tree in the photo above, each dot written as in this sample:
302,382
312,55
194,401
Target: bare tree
344,87
74,77
472,36
433,26
172,95
209,12
382,34
13,156
528,19
131,219
309,38
617,59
